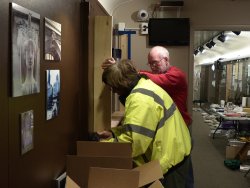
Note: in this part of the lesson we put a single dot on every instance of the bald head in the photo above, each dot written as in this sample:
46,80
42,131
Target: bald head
161,55
158,51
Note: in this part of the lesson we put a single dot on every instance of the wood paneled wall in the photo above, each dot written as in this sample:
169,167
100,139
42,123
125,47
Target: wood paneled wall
55,138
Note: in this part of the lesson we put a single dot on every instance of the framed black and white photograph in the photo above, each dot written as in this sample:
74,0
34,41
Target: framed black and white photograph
25,41
27,121
52,40
53,93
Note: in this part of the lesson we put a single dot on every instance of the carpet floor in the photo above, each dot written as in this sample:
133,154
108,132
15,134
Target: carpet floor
208,157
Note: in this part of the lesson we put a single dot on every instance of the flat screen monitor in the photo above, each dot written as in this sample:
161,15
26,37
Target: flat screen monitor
169,31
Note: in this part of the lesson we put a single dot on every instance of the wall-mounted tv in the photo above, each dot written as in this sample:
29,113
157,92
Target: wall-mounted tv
169,31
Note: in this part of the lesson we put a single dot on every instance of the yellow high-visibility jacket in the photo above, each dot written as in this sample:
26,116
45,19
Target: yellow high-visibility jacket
154,126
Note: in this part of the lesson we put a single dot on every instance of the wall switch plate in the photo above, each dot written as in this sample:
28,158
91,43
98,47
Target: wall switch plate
144,28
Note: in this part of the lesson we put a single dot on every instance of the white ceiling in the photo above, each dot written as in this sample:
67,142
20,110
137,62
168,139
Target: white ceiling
235,47
111,5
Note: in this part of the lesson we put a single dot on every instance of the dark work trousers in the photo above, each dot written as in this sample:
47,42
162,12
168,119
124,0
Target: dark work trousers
179,175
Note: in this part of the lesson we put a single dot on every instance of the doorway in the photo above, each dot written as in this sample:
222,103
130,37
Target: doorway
221,66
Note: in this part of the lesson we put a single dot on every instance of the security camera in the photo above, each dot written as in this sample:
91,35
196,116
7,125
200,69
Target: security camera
142,15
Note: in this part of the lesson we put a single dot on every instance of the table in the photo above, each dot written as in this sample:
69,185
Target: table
224,117
199,101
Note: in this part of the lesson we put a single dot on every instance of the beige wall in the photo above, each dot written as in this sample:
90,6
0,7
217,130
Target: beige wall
203,14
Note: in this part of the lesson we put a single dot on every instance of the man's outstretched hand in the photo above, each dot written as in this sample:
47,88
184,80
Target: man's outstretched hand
108,62
98,136
105,134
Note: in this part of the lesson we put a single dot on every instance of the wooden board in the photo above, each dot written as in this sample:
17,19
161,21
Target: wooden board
102,95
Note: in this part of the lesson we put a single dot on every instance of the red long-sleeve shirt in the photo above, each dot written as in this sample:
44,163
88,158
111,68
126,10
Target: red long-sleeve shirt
174,82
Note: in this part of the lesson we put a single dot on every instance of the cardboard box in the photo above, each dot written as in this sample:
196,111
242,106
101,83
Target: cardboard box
107,176
104,162
156,184
238,151
122,178
113,178
104,149
78,166
246,110
70,183
149,172
137,177
243,153
232,151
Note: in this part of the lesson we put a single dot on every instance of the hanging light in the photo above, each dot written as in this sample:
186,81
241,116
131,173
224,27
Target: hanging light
236,32
222,37
196,52
210,44
201,49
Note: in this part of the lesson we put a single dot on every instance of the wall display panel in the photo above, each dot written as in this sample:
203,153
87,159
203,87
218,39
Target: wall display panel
25,39
169,31
27,119
52,40
53,93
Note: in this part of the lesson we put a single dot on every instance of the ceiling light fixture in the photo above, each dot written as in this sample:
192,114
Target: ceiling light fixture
210,44
222,37
236,32
196,52
201,49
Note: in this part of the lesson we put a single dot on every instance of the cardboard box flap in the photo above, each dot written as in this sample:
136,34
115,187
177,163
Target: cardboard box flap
232,151
90,148
77,167
246,110
112,178
70,183
149,172
156,184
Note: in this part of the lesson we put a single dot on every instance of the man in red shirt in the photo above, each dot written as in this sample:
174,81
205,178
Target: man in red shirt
170,78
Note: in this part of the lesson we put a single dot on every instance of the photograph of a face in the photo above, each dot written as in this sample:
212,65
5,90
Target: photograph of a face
25,39
53,93
52,40
27,119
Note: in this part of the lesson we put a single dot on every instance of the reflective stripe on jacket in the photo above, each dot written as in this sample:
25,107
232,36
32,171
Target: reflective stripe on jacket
154,126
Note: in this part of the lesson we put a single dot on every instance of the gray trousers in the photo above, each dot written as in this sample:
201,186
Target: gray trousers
179,176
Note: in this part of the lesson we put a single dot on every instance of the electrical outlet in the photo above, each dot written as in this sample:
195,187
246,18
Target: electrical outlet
144,28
